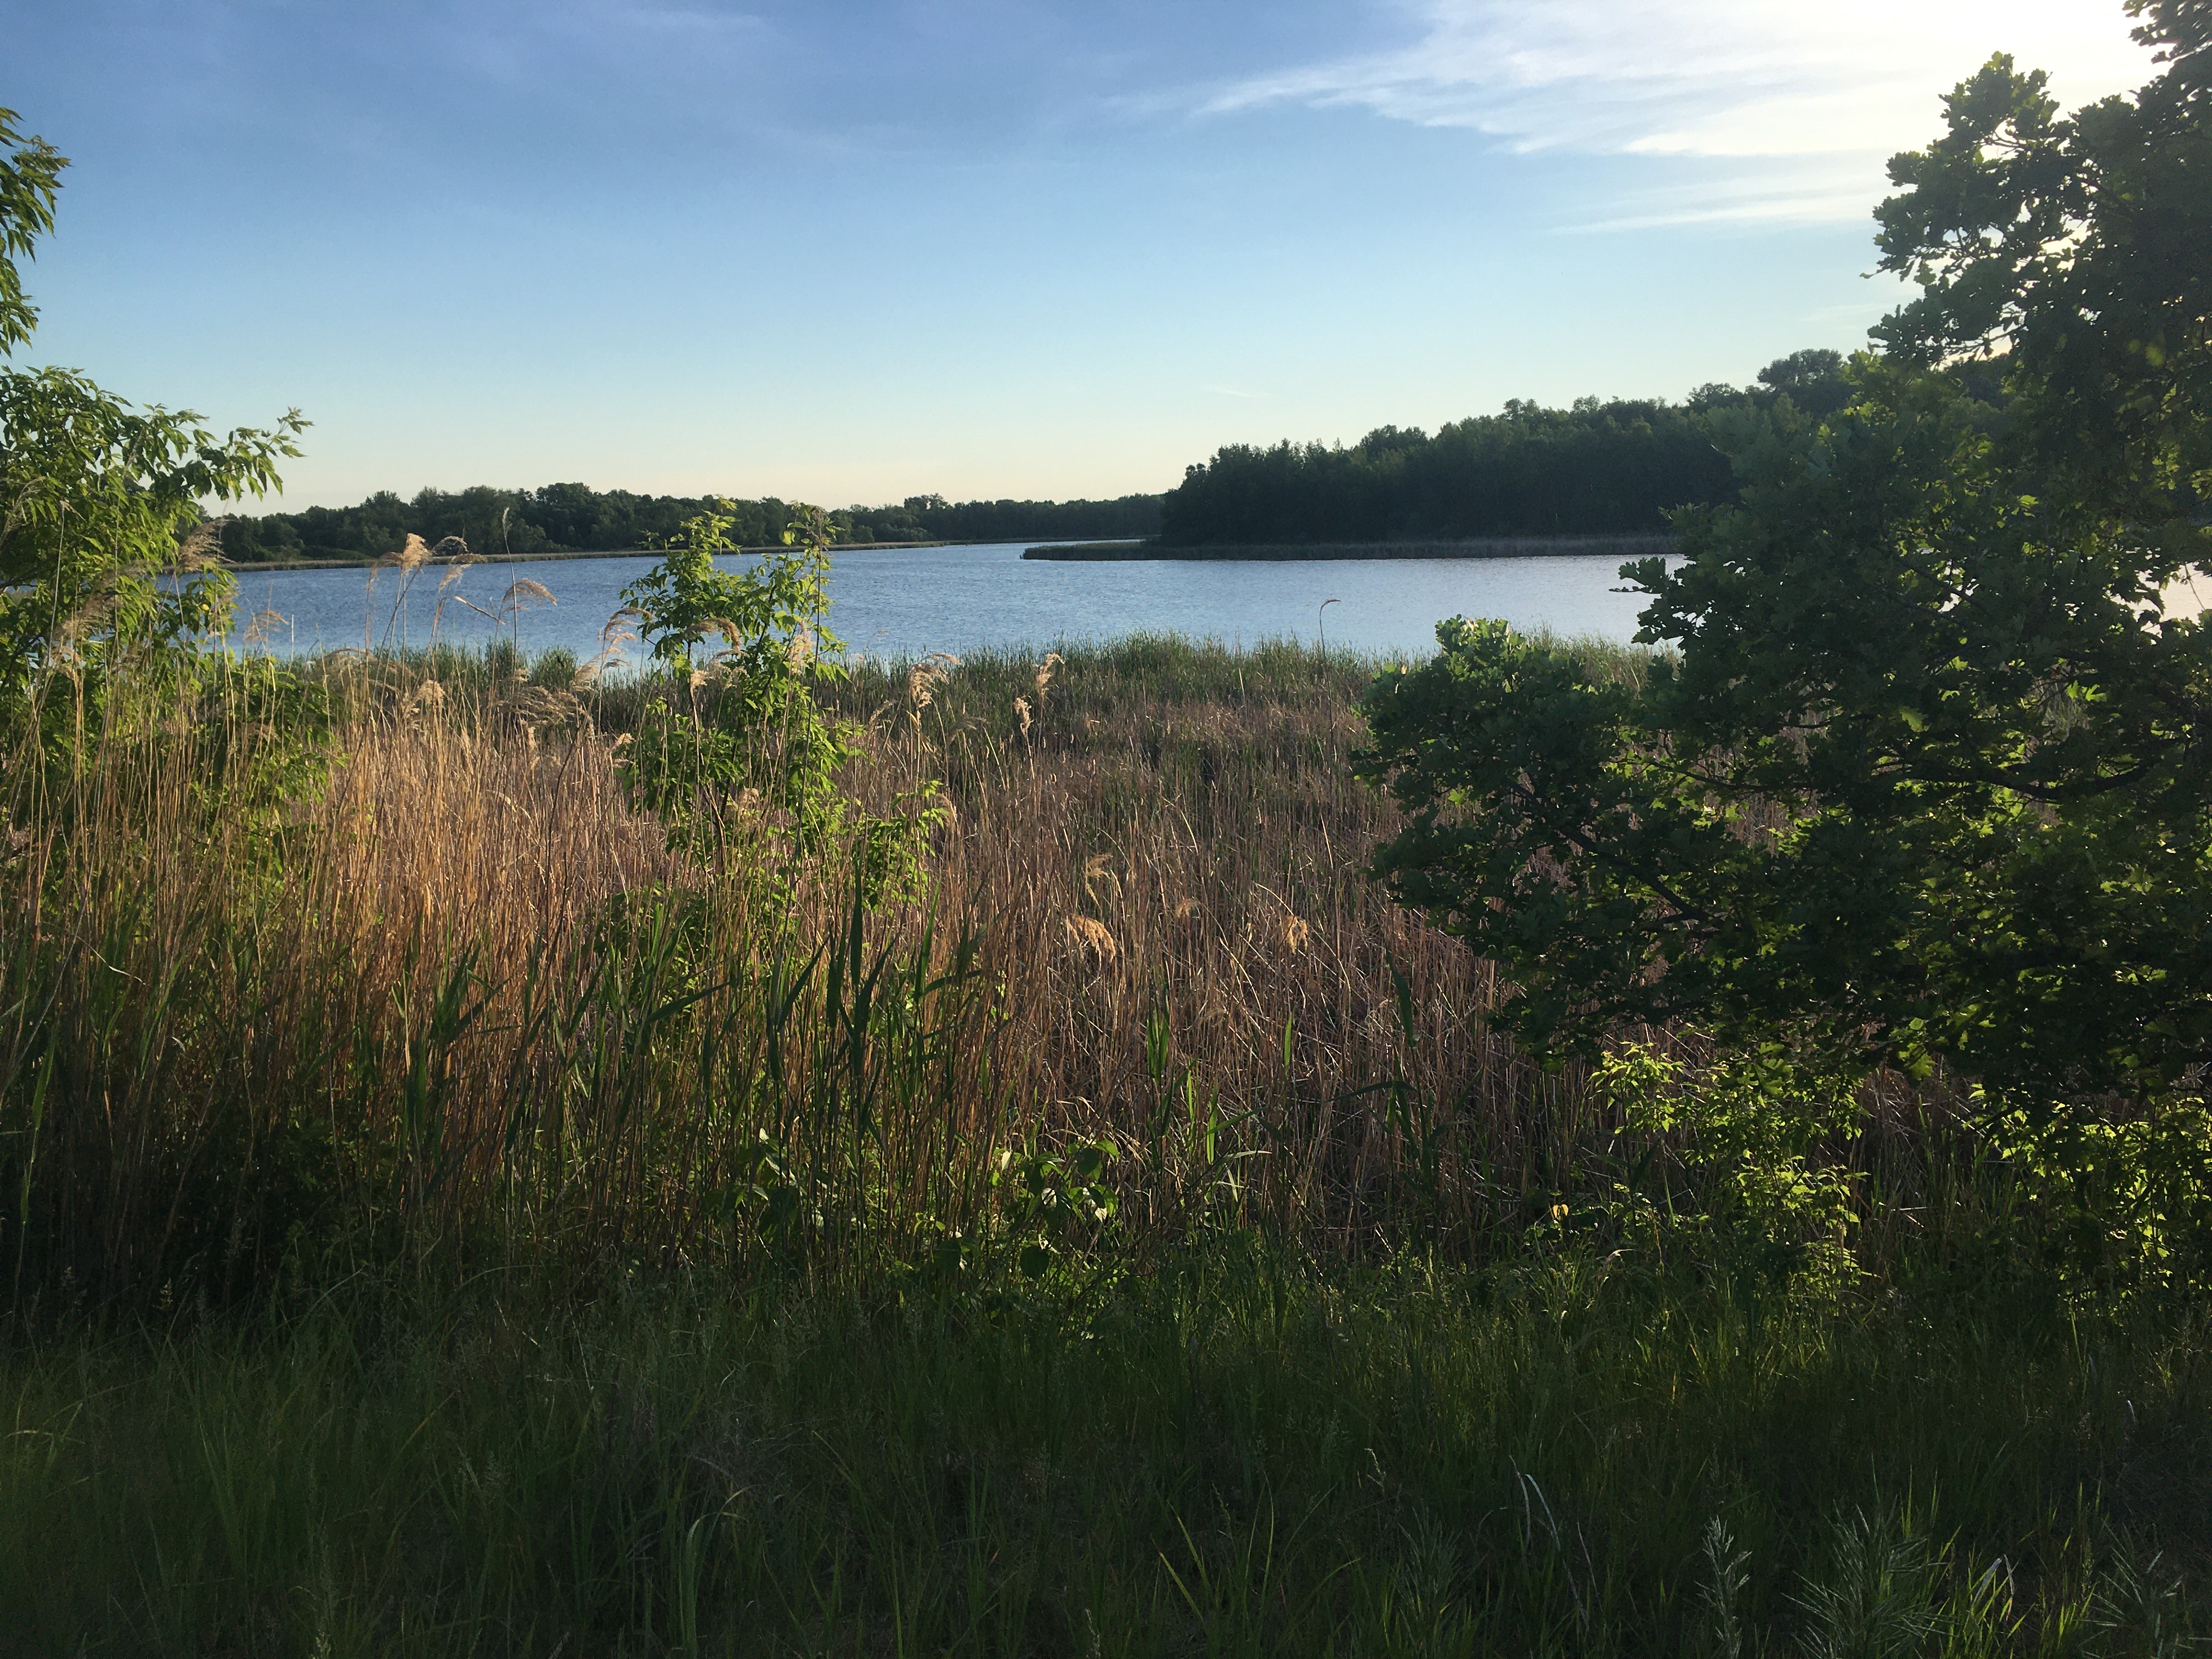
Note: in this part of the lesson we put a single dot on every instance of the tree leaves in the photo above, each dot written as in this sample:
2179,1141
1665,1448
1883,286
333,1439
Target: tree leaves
1924,776
30,178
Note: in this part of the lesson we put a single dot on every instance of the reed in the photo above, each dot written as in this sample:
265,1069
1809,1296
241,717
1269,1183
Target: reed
440,1216
448,990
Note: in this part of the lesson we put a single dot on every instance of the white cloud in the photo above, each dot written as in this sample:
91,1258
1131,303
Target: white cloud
1821,94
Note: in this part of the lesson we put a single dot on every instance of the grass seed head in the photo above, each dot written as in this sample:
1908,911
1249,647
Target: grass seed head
427,699
201,549
522,594
1091,937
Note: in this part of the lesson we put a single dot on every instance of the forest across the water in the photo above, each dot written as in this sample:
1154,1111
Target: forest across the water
574,518
1596,468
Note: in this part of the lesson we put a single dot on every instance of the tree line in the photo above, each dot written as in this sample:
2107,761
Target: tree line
574,518
1595,468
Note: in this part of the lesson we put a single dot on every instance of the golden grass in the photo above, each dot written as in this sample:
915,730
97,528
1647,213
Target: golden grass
1200,858
425,969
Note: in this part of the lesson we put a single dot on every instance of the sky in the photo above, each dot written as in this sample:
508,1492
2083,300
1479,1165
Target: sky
848,250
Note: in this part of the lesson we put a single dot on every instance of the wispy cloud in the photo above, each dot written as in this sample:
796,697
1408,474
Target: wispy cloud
1805,101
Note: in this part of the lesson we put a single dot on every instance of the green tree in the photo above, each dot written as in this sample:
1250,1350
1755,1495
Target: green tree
1813,379
741,724
94,495
1925,779
30,178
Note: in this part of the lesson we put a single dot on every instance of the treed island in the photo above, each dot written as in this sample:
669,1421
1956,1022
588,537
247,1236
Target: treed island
1698,1147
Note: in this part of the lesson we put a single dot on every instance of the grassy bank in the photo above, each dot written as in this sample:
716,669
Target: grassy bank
441,1218
1237,1452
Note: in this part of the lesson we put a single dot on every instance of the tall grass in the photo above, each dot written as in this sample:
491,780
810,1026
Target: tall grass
461,997
1237,1454
440,1217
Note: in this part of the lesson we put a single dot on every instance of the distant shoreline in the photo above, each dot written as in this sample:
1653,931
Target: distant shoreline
1478,547
385,559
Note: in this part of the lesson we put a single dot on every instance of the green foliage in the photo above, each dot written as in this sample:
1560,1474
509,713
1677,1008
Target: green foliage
1874,1596
94,495
1251,1452
1055,1200
740,732
1596,468
2070,251
569,518
1924,780
1812,380
2127,1196
1751,1132
30,178
554,669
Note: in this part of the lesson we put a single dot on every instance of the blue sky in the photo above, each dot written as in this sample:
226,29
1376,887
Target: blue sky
852,250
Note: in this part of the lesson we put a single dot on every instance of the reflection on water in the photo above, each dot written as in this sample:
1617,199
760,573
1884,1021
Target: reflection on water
910,601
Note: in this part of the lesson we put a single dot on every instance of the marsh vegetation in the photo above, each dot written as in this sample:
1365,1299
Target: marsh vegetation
446,1215
1548,1148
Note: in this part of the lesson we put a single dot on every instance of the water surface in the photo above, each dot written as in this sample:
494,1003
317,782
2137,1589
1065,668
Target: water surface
909,601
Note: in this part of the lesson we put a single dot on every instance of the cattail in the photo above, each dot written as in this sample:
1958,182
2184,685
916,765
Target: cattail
1295,933
1021,713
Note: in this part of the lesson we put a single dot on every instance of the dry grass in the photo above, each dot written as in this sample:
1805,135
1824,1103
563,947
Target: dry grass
462,992
1156,844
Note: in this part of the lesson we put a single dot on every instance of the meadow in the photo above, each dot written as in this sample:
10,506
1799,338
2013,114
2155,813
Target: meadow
443,1217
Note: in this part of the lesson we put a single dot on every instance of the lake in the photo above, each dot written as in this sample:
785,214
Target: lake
906,602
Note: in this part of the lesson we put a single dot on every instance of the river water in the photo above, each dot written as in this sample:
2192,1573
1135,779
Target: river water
906,602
